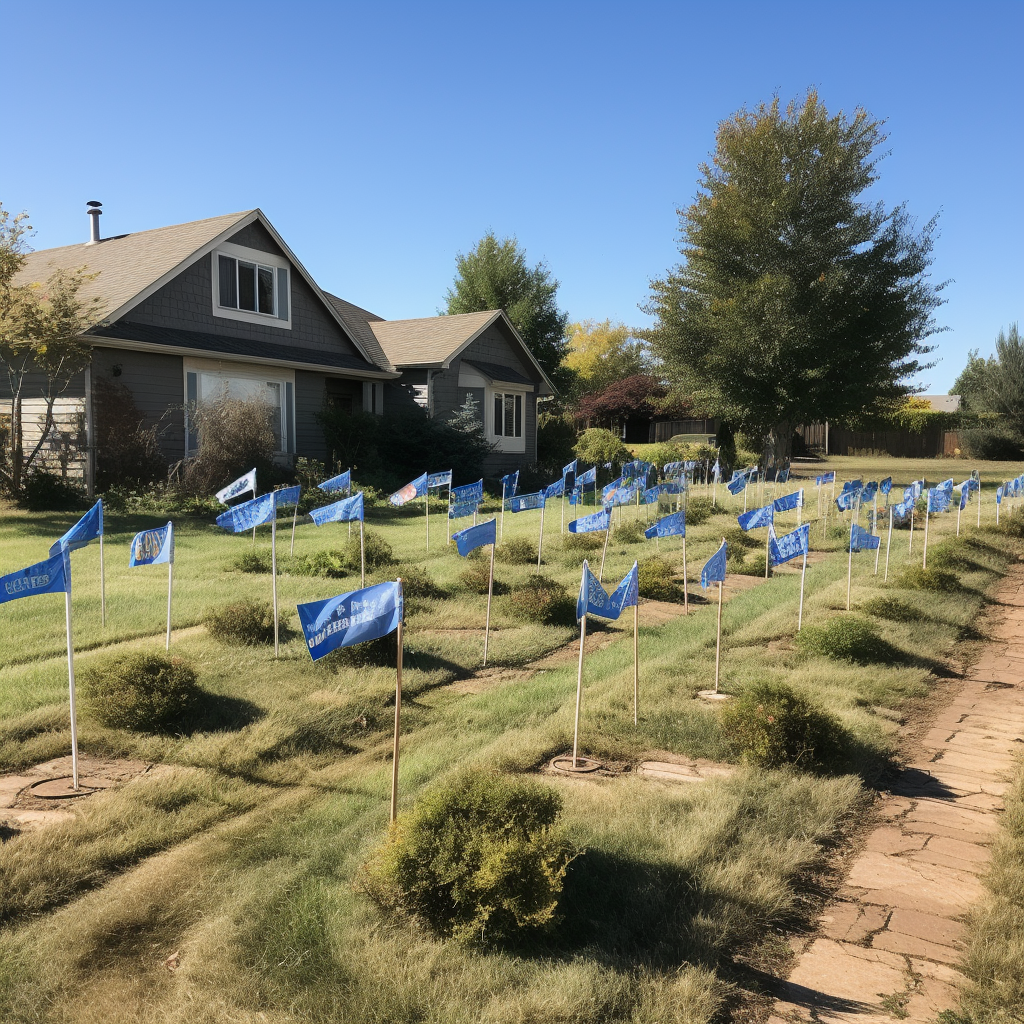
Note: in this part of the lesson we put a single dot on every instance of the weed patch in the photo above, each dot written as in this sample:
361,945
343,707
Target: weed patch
253,561
915,577
543,600
327,564
700,510
656,580
379,553
629,533
893,609
846,638
516,551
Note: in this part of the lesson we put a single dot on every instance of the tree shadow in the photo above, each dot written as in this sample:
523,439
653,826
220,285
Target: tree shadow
220,713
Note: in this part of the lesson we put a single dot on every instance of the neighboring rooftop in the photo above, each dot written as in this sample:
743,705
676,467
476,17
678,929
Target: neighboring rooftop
942,403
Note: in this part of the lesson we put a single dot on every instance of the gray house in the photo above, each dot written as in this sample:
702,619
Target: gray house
223,304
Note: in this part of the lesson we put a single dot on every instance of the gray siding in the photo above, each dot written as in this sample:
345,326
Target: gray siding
493,347
309,400
34,386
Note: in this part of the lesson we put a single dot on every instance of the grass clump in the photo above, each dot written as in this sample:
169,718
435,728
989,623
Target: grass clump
1013,524
915,577
699,511
543,600
771,725
846,638
253,561
737,538
950,555
516,551
737,561
379,653
242,622
656,580
475,576
329,564
582,541
141,692
893,609
379,553
629,533
418,583
477,859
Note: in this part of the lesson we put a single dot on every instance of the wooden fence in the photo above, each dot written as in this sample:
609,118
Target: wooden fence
927,444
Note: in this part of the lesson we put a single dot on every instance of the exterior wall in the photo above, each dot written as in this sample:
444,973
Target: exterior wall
310,389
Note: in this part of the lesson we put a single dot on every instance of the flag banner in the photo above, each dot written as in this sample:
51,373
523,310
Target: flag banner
347,510
248,515
607,465
555,490
632,470
917,487
847,500
909,494
668,526
590,524
757,517
285,497
947,485
476,536
341,482
736,485
651,495
783,476
869,492
576,498
965,485
595,600
571,468
788,502
714,567
861,539
611,488
901,512
672,469
510,484
938,499
623,496
999,495
468,492
436,480
975,484
886,485
88,528
524,502
825,478
351,618
673,486
1016,487
152,547
790,545
463,509
239,486
965,493
852,485
587,478
50,577
414,489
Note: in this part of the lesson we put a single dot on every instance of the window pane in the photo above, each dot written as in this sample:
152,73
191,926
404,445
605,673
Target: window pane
519,415
272,394
265,281
497,414
228,285
247,286
510,414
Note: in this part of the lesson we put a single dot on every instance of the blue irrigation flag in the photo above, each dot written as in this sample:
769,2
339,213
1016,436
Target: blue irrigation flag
476,536
465,493
788,502
651,495
249,514
790,545
736,485
509,484
436,480
965,493
668,526
589,524
413,489
237,487
676,486
757,517
611,488
595,600
861,539
672,469
341,482
524,502
347,510
152,547
623,495
825,478
852,485
88,528
351,618
886,485
588,478
52,576
847,500
938,499
285,497
782,476
576,497
901,512
999,495
869,492
714,567
947,485
555,490
463,509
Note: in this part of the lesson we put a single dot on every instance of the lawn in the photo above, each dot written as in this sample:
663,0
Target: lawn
242,854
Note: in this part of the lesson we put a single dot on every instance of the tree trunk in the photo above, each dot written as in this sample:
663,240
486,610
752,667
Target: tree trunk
779,444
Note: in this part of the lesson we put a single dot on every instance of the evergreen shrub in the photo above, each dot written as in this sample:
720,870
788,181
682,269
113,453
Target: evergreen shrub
846,638
516,551
243,622
543,600
656,580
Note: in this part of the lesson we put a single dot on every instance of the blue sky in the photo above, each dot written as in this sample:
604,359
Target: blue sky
382,139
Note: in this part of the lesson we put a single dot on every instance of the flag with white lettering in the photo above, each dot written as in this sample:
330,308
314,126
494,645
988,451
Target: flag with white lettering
509,484
757,517
463,509
465,493
668,526
788,502
886,485
592,523
588,478
595,600
240,486
848,499
436,480
351,618
861,539
825,478
623,495
341,482
737,484
52,576
249,514
286,497
414,489
555,490
152,547
475,536
524,502
714,567
347,510
87,529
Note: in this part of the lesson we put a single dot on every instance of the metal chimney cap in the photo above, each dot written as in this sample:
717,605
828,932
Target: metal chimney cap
93,202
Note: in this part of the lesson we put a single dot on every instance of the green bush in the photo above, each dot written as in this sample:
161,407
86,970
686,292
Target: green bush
847,638
544,600
596,446
382,652
475,576
700,510
914,577
582,541
743,564
253,561
737,538
47,492
141,692
892,608
950,555
328,564
379,553
655,580
1013,524
771,726
629,532
242,622
516,551
478,859
417,583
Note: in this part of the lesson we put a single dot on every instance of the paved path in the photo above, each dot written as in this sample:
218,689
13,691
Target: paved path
886,949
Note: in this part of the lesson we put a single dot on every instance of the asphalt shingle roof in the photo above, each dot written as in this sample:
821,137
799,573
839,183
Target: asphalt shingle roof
430,340
498,372
358,321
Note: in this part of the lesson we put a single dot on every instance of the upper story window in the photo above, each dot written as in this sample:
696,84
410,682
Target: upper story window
252,286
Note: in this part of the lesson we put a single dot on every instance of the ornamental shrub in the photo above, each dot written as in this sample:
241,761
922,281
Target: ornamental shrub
516,551
1013,524
243,622
596,446
583,541
417,583
700,510
656,580
629,532
914,577
846,638
771,725
544,600
253,561
737,538
328,564
141,692
478,859
379,553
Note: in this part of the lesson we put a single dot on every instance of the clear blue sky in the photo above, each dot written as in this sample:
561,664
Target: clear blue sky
381,139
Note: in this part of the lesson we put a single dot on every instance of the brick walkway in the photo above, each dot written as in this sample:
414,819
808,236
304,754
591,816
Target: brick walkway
886,949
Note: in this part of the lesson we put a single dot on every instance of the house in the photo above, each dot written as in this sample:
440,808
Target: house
223,305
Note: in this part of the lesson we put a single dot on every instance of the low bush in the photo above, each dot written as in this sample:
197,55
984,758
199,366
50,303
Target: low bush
242,622
378,552
950,555
596,446
1013,524
328,564
477,859
700,510
516,551
629,532
475,576
544,600
892,608
655,580
737,538
141,692
914,577
582,541
771,725
746,563
253,561
417,583
846,638
47,492
382,652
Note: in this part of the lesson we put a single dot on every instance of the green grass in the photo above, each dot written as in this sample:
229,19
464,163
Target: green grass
244,857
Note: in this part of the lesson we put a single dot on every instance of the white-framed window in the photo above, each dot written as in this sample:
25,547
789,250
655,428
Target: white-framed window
251,286
206,380
373,397
507,419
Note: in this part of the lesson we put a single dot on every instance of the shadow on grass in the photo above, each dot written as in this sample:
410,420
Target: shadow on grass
220,713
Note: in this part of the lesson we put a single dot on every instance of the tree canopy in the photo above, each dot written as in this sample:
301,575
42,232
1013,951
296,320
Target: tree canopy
797,300
996,385
600,353
495,275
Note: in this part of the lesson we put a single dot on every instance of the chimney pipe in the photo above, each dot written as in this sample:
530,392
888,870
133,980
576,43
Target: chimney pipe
94,212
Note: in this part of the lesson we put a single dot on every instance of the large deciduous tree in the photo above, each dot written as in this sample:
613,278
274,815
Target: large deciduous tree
798,300
600,353
495,275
